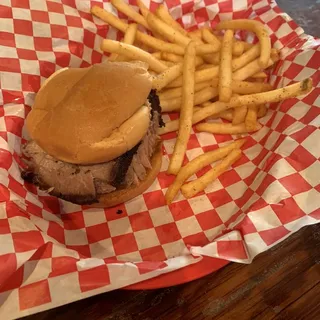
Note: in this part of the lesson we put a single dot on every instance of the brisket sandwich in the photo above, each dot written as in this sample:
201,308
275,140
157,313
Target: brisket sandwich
94,134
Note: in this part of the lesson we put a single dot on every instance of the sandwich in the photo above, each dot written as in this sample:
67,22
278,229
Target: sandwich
93,134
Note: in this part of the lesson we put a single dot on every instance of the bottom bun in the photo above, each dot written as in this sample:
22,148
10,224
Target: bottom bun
119,196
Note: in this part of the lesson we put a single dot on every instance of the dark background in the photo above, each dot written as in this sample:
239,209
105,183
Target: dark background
282,283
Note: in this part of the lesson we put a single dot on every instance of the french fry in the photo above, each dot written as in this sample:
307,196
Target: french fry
143,9
167,63
197,164
157,55
128,11
251,117
206,48
199,76
245,58
291,91
129,37
167,76
195,37
257,80
247,45
177,92
245,87
259,29
165,16
205,66
211,73
196,108
259,75
225,74
195,34
237,48
239,115
171,57
249,70
109,18
209,37
226,128
150,41
166,30
192,188
113,57
176,58
213,109
215,58
262,111
226,115
200,97
186,110
133,53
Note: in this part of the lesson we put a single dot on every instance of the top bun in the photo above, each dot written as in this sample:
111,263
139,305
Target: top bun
91,115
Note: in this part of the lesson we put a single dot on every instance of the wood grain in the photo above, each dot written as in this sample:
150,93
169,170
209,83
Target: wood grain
282,283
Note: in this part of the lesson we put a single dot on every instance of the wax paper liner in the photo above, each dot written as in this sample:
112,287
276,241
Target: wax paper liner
53,252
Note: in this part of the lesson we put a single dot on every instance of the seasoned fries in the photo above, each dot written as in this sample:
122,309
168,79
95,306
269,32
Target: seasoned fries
197,164
199,76
205,112
143,8
225,74
167,76
245,87
239,115
291,91
202,75
129,37
150,41
251,117
256,27
166,30
237,48
249,70
226,128
192,188
133,53
262,111
127,10
186,110
209,37
200,97
165,16
177,92
245,58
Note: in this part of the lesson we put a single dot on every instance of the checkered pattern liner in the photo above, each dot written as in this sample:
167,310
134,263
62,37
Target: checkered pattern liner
53,252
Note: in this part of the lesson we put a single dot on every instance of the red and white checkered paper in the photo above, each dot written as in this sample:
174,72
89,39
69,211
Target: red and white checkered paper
53,252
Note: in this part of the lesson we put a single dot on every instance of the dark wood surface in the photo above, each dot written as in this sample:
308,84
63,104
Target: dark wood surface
282,283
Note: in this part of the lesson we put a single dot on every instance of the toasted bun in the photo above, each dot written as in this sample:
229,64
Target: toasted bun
119,196
91,115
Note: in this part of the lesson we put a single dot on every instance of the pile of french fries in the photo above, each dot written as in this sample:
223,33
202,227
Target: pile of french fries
202,74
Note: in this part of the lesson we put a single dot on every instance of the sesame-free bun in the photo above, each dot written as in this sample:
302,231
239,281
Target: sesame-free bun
122,195
91,115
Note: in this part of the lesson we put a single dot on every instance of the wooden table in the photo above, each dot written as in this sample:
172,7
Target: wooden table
282,283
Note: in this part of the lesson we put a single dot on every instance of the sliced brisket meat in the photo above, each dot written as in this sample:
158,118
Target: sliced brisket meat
121,167
82,184
154,101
